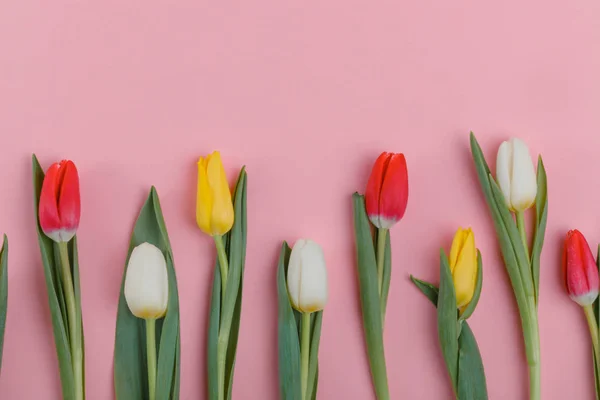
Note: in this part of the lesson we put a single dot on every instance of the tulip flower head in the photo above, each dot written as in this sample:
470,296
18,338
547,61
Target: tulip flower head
307,277
579,269
60,206
214,208
463,266
147,282
387,190
516,175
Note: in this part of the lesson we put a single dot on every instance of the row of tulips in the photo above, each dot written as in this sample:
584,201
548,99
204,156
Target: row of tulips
147,341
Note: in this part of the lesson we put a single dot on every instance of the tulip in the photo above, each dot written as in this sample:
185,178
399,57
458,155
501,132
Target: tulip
59,205
463,266
146,282
307,277
579,269
214,208
516,175
387,190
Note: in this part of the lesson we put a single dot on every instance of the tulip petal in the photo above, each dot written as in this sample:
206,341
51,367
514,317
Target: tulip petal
504,170
313,286
146,282
374,186
457,244
394,191
294,273
203,199
222,206
523,186
48,205
69,204
465,272
580,271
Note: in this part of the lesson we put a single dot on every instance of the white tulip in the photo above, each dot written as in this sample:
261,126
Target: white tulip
307,277
147,282
515,174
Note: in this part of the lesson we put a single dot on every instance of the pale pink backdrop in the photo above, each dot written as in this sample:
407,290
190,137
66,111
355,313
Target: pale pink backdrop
306,94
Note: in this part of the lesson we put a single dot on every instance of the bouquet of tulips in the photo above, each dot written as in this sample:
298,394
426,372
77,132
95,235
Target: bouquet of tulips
516,189
461,279
302,295
383,205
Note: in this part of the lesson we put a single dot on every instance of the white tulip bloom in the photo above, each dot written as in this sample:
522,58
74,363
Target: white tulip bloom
147,282
307,277
515,174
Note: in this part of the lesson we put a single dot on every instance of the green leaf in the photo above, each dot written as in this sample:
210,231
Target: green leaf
541,215
596,309
428,289
54,289
471,376
313,362
289,344
237,258
316,384
3,291
213,334
130,374
387,275
369,297
473,303
447,319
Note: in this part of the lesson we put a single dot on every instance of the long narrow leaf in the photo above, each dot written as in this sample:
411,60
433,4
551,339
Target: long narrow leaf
213,334
471,376
447,319
387,275
541,215
313,363
130,374
59,327
369,297
3,292
289,346
237,260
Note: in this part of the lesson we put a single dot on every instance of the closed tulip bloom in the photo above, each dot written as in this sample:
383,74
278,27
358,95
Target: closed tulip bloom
147,282
307,277
60,206
579,269
463,266
516,175
214,208
387,190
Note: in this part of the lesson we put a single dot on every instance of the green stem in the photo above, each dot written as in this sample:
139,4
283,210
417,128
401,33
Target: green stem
223,263
74,322
521,226
532,347
151,355
381,234
304,353
593,325
225,326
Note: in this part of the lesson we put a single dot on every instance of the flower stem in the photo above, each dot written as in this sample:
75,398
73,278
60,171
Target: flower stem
223,263
593,325
74,320
225,326
304,354
151,356
532,347
521,226
381,239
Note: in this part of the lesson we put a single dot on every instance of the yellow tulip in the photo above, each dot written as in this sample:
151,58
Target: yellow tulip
463,266
214,208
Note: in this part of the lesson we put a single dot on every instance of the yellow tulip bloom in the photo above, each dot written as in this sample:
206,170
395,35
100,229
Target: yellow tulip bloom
463,266
214,208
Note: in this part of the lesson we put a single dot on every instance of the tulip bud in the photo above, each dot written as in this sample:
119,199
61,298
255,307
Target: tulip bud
59,207
579,269
516,175
214,208
147,282
463,266
387,190
307,277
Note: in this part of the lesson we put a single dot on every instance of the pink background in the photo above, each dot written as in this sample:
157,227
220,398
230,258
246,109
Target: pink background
306,94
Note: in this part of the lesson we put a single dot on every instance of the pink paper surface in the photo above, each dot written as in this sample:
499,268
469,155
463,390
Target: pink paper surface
306,94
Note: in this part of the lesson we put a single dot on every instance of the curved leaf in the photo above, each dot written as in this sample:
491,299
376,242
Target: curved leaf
447,320
541,215
3,291
471,376
473,303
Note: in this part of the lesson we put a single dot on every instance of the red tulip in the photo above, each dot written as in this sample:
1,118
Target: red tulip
60,206
387,190
579,269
